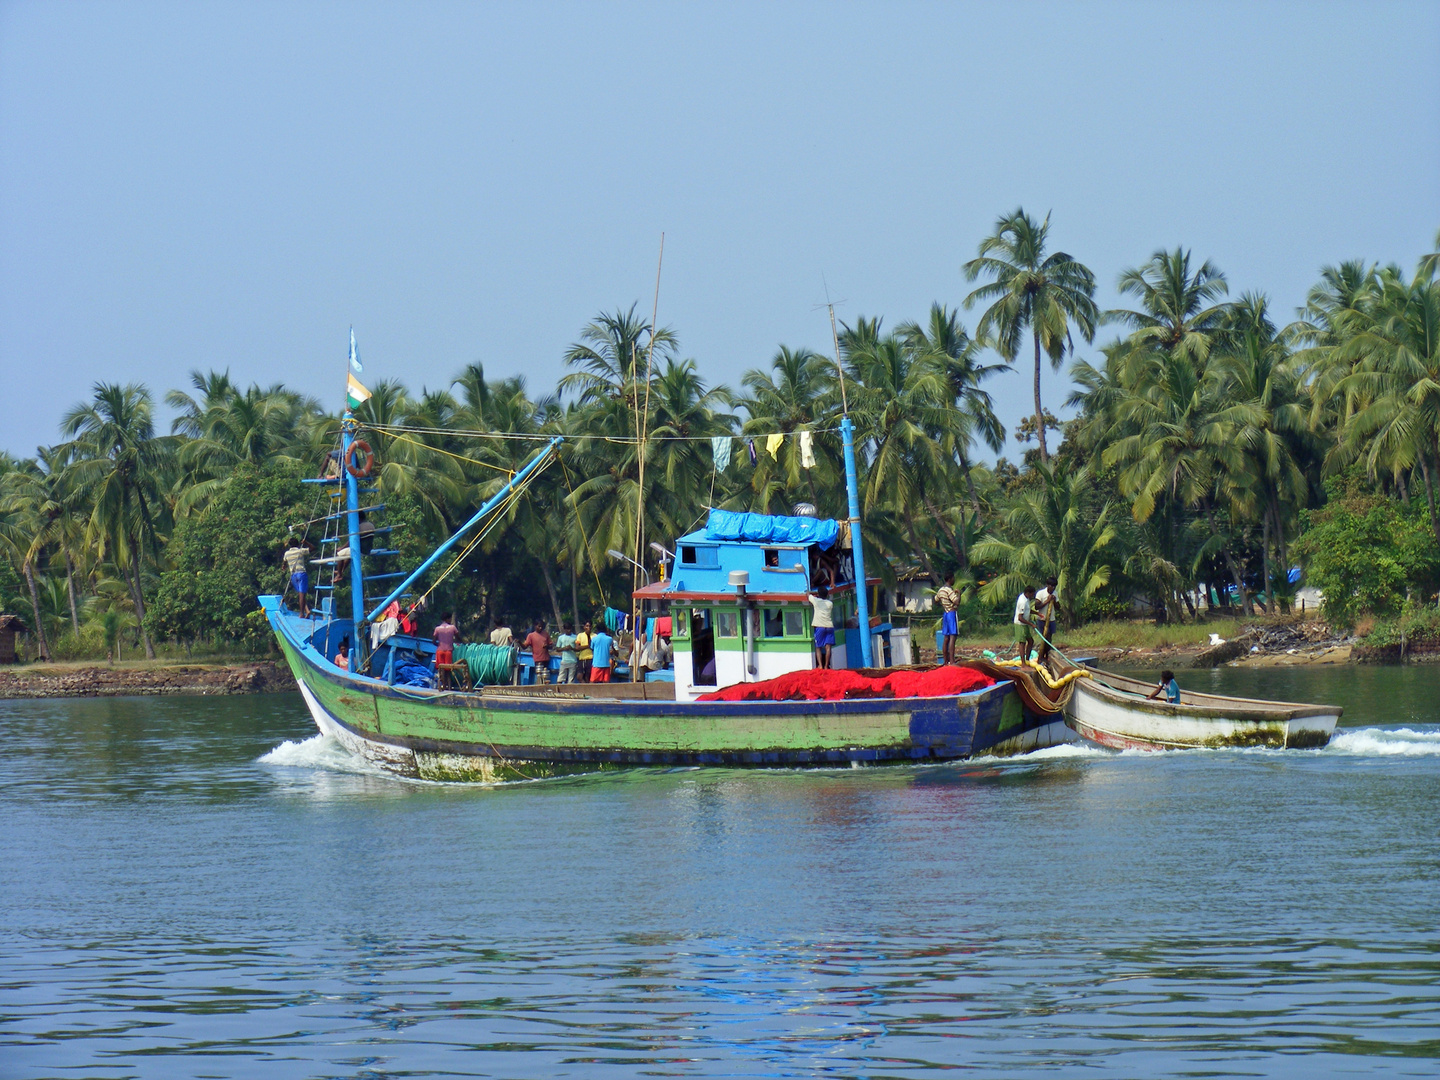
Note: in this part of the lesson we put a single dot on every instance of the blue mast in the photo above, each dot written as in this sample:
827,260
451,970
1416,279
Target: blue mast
490,504
352,504
857,547
852,490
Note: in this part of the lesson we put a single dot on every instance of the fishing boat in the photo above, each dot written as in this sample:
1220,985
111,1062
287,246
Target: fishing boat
1115,711
736,602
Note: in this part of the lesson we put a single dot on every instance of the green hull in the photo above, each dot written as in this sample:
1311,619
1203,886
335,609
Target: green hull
504,732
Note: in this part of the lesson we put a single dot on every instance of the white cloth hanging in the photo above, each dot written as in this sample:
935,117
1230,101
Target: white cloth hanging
382,631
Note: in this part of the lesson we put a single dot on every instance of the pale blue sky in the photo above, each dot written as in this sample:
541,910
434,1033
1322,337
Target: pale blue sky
233,185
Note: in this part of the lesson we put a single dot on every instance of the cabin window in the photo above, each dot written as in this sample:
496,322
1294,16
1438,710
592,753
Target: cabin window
727,624
682,623
774,622
697,555
794,624
772,558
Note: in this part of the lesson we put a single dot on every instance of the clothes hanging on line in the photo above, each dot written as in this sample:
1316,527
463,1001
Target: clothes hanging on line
807,449
720,448
772,445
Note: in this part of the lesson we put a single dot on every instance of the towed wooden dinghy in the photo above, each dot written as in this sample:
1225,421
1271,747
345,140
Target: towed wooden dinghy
1112,710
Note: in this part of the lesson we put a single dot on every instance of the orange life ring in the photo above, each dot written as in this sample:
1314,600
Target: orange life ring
360,446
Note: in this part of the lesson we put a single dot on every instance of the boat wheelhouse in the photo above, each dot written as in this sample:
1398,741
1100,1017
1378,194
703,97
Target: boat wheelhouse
739,600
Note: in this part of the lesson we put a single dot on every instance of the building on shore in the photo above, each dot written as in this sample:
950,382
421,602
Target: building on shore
10,625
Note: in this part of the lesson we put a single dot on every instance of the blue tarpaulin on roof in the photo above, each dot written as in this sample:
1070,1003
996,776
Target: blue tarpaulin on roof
770,529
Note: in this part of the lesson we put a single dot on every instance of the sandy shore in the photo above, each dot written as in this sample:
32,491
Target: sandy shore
125,679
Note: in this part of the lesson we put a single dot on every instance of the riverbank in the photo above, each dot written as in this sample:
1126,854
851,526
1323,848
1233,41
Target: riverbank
89,679
1281,641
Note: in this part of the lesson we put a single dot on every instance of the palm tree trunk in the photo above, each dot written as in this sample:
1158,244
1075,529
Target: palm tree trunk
70,586
958,548
41,643
974,498
1039,409
919,551
139,597
1281,555
1230,564
575,589
1265,556
1430,496
550,587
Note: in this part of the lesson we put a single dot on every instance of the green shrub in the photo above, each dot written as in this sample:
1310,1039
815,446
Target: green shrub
1367,553
1416,624
225,556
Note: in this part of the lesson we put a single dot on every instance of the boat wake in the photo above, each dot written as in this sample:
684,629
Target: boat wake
321,752
1067,750
1385,742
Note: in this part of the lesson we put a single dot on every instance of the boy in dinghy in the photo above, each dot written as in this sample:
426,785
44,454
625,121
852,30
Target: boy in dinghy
1167,686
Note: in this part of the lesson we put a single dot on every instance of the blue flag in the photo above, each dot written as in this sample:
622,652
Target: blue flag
355,364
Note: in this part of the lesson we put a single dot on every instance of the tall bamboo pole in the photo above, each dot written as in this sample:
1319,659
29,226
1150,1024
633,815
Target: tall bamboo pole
642,430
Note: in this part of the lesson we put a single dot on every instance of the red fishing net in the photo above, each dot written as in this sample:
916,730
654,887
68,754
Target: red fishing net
839,684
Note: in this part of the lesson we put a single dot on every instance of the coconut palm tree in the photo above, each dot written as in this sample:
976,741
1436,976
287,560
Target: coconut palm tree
225,427
115,454
1061,528
901,403
56,511
1276,437
1051,296
1178,309
1176,438
946,343
1392,384
798,393
22,530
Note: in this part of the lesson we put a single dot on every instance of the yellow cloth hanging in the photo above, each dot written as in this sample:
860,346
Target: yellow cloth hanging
772,445
807,449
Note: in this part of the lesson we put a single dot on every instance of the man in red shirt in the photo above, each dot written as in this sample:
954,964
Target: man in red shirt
445,640
538,642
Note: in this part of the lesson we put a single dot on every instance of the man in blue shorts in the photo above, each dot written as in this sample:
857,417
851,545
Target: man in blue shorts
295,561
823,624
949,601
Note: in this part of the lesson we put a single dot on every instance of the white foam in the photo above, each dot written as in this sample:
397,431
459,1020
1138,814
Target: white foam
317,752
1068,750
1382,742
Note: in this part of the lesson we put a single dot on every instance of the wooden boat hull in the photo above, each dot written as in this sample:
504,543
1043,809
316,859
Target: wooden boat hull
508,732
1112,710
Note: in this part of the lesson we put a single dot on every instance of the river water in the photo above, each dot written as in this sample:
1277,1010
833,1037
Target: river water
199,887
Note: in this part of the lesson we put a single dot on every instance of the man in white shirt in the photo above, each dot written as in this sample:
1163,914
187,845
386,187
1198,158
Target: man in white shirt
1022,626
1046,607
823,623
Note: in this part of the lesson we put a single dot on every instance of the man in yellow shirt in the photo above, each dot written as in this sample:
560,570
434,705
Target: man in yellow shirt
584,654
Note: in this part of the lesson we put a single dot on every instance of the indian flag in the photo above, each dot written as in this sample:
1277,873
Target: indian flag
355,392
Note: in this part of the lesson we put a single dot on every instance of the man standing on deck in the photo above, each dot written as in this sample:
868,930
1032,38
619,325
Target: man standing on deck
538,642
600,644
823,623
568,660
1023,624
1046,608
949,601
501,635
295,557
583,653
445,640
